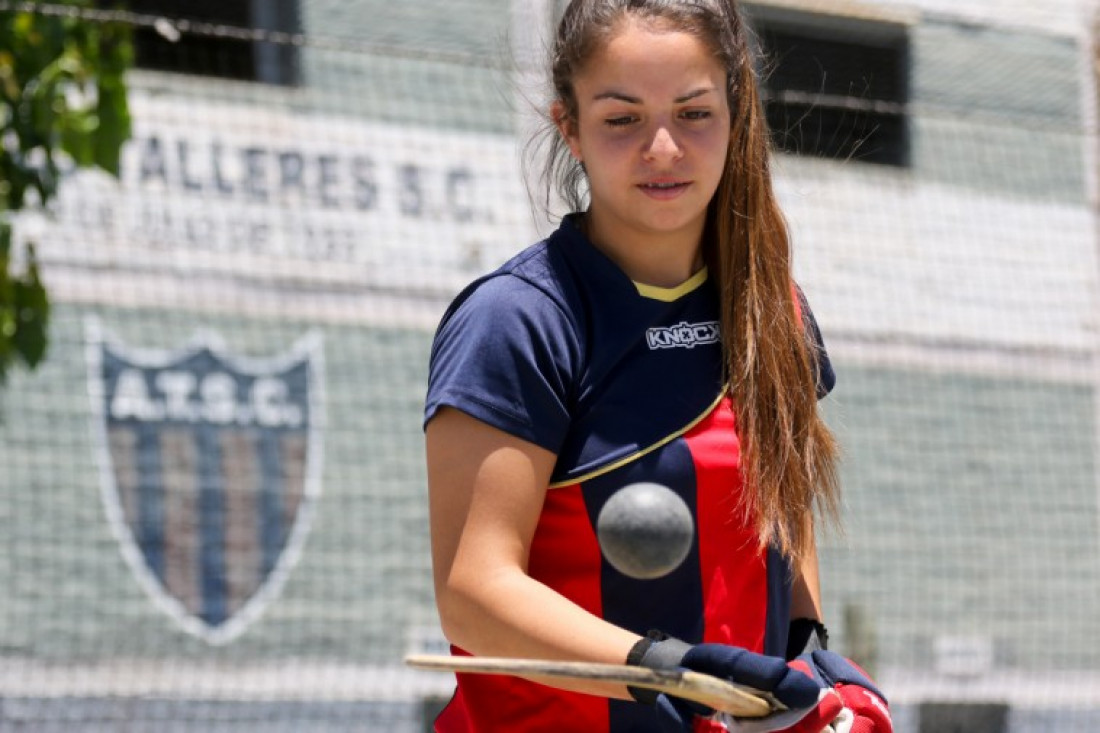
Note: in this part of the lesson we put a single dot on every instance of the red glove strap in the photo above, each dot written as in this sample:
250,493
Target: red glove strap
872,715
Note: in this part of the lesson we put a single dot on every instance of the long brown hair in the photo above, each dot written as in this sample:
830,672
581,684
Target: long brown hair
788,455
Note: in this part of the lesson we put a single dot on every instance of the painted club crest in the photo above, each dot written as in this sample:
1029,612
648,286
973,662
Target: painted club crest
210,467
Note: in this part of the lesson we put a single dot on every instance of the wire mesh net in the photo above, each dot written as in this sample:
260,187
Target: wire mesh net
214,509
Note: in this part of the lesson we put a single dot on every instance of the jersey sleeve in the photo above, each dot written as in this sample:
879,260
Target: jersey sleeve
505,354
823,367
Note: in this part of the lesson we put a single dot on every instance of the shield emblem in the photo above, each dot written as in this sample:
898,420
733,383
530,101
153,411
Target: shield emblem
210,467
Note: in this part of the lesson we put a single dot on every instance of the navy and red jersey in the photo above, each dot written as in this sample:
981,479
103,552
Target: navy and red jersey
623,382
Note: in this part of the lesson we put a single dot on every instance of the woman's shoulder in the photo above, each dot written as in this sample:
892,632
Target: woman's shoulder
549,264
536,267
538,278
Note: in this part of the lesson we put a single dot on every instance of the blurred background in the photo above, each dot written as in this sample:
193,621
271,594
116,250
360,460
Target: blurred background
228,229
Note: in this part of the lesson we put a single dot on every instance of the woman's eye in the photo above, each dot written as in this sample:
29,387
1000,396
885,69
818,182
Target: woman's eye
620,121
696,114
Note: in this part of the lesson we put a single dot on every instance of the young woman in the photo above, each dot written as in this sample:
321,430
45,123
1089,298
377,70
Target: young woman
655,337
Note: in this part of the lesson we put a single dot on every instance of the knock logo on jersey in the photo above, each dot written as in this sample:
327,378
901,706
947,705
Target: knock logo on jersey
210,472
683,335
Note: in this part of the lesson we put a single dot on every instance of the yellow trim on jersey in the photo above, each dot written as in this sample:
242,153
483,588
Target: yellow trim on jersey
668,295
643,452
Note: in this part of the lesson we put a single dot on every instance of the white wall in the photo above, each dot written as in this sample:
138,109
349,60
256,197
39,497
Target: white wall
1053,16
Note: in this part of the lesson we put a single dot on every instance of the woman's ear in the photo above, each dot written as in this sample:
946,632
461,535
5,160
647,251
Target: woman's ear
567,128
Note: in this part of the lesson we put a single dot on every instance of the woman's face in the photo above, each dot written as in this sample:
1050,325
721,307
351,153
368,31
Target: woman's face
652,130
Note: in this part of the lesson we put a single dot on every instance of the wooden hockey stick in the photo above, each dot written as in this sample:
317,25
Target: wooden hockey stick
725,697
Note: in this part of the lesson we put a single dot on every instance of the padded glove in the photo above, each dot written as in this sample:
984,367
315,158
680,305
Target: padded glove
792,687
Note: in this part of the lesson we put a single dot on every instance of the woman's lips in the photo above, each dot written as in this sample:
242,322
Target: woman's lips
664,190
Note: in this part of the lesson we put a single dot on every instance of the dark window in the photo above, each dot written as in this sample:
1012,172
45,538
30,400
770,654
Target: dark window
835,88
231,39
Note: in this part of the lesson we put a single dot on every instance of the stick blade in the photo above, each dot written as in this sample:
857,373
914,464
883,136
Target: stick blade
724,696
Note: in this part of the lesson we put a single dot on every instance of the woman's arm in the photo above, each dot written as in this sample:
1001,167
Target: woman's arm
806,631
486,490
806,591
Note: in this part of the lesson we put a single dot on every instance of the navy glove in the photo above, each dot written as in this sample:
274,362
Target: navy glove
796,690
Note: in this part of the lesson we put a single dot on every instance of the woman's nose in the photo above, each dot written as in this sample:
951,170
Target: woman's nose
663,145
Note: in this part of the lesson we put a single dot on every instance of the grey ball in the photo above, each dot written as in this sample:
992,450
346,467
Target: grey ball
645,530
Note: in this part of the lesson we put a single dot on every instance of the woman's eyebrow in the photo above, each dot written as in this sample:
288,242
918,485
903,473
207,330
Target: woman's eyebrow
693,94
618,96
623,97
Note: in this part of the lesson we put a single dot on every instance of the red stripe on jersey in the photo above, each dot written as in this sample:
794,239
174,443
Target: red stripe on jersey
731,561
565,555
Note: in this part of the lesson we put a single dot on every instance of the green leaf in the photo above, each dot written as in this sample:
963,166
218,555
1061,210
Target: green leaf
16,178
78,136
31,314
5,244
114,128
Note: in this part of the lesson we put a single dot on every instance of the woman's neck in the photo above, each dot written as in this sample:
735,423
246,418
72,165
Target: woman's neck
661,259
